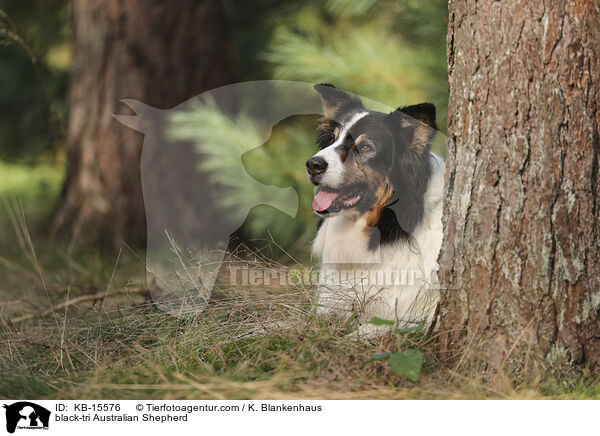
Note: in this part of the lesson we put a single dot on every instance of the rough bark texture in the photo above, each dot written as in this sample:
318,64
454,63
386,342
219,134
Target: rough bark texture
521,249
160,53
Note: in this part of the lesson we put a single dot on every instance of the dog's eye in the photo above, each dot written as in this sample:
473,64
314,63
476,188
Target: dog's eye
365,147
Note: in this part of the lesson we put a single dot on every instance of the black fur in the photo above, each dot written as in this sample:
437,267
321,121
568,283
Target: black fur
424,112
319,221
388,231
410,176
325,136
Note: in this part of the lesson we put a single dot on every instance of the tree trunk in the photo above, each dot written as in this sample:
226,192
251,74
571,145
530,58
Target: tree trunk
521,250
160,53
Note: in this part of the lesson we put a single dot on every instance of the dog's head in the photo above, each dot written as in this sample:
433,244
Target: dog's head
369,160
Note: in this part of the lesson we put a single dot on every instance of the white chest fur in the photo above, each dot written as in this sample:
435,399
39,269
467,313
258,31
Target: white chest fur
397,281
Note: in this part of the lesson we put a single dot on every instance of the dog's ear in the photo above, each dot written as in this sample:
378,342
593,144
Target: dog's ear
417,122
335,100
423,112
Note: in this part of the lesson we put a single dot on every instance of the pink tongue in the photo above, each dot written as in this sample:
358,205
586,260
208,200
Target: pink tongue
323,200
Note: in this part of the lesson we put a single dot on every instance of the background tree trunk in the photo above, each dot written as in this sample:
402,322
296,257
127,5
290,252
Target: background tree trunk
160,53
521,249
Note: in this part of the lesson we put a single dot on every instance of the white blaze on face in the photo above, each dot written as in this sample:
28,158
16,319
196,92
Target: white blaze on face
333,176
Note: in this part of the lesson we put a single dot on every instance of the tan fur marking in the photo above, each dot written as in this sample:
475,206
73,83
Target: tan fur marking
384,195
421,135
329,110
361,138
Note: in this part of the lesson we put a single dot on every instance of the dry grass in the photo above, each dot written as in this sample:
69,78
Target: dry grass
101,341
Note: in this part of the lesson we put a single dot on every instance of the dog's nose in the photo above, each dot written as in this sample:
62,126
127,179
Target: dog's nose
316,165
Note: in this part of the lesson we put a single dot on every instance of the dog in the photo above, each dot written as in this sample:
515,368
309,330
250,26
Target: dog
378,202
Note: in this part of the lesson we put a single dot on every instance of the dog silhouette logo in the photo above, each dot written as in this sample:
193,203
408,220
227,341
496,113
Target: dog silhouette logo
26,415
185,251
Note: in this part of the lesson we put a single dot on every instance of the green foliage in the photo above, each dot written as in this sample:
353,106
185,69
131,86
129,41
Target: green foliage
26,182
392,52
413,329
252,27
350,8
34,61
378,356
407,363
366,62
224,141
378,321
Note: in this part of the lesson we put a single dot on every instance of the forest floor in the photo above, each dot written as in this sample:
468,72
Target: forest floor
76,323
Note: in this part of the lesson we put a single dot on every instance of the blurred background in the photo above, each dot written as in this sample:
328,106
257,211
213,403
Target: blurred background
69,172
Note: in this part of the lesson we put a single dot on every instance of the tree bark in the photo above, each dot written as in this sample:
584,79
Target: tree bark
160,53
521,250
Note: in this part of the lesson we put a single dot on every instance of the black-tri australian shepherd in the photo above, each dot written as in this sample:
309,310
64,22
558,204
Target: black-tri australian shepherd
379,207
